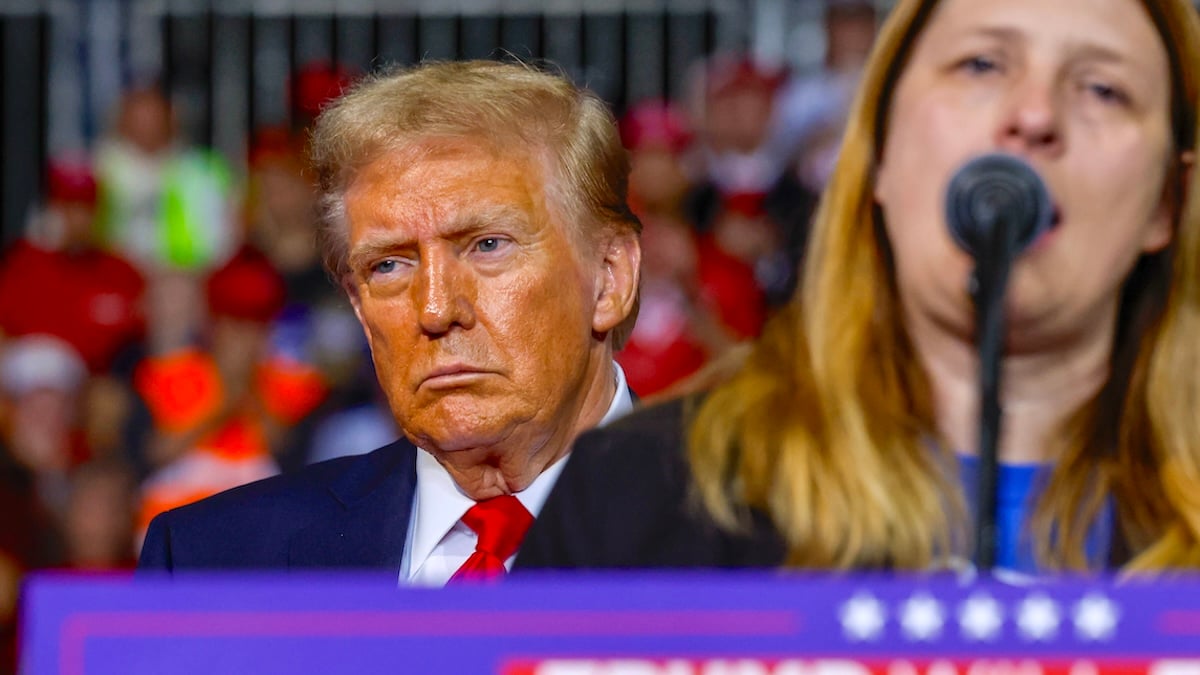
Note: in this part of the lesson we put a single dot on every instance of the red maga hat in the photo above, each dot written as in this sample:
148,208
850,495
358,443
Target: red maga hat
317,84
70,181
655,123
726,75
247,287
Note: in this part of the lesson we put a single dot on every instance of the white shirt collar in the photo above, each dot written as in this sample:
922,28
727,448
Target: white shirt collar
439,503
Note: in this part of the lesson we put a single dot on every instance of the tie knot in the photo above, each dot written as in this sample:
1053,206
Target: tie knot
500,523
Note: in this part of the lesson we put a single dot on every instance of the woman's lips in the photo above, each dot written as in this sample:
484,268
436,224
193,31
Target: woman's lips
1048,234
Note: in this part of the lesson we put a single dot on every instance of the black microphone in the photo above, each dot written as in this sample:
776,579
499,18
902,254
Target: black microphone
996,206
997,190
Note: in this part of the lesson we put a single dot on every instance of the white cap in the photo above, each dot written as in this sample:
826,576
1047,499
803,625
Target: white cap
40,362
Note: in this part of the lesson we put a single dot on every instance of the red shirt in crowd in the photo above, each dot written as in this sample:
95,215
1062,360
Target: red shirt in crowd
91,299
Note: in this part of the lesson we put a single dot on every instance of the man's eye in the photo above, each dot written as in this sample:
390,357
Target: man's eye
385,267
488,245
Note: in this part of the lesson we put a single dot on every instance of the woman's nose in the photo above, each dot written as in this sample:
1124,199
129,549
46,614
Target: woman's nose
1031,120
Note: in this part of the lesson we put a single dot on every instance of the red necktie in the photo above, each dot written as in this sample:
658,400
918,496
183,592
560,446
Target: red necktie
500,523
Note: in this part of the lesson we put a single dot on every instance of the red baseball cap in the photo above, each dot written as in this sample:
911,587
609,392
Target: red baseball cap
70,181
247,287
655,123
726,75
317,84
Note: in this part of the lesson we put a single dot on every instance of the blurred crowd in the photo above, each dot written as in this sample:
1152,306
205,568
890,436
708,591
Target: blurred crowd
167,330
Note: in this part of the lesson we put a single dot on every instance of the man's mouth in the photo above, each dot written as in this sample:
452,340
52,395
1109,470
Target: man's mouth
452,375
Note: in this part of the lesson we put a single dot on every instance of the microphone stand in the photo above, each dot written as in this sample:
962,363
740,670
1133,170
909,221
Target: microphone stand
989,283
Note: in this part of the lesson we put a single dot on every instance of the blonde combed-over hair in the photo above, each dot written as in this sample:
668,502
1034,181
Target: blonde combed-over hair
513,108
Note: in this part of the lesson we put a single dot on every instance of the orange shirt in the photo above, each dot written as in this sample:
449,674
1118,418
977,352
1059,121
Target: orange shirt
184,392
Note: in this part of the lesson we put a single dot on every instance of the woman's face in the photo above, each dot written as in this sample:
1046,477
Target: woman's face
1081,90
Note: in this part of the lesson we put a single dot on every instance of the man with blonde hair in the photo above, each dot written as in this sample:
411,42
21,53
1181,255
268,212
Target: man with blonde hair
475,214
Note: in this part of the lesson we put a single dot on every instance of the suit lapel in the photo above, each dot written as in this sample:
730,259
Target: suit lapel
367,526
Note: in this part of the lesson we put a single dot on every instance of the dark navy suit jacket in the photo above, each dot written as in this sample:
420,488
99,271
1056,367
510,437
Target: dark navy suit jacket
349,513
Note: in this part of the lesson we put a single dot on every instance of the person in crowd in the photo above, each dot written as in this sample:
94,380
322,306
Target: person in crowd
848,438
165,205
100,313
98,534
281,214
812,107
58,281
281,198
42,380
475,213
317,326
748,199
220,409
732,106
697,302
42,447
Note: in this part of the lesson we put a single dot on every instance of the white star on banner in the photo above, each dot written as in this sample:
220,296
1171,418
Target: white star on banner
922,617
980,617
863,617
1038,617
1095,617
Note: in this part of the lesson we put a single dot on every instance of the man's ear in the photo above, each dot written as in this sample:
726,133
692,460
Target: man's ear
620,274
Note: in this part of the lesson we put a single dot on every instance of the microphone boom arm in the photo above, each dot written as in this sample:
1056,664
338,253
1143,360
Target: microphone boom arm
990,278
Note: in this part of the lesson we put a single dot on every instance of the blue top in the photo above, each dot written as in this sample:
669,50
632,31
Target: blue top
1017,489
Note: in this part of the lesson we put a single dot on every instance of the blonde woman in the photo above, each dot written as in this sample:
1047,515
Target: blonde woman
846,440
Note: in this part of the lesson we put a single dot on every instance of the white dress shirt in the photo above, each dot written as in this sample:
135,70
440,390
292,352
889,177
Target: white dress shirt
438,542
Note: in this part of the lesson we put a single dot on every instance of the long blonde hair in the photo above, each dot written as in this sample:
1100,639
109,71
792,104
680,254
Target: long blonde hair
830,427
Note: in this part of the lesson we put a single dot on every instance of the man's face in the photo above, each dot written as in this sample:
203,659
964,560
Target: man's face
146,121
481,310
78,218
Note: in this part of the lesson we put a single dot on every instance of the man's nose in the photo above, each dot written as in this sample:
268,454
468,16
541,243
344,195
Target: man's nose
1031,119
444,294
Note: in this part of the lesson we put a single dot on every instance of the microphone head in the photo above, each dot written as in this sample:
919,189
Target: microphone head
997,190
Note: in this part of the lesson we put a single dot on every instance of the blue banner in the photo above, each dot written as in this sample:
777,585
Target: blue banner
681,624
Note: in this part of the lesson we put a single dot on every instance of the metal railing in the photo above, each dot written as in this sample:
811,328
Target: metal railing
226,63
